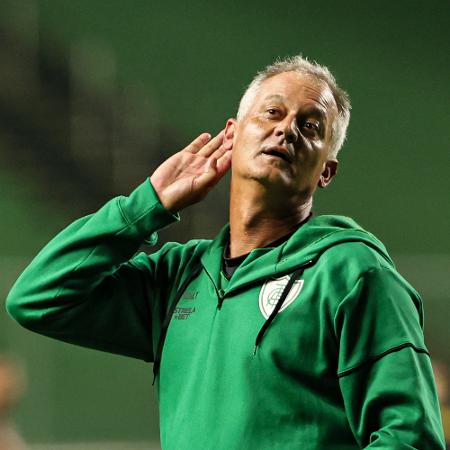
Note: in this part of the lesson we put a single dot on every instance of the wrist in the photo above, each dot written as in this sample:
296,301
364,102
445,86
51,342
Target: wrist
163,199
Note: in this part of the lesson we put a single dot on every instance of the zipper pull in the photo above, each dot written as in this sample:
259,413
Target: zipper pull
221,294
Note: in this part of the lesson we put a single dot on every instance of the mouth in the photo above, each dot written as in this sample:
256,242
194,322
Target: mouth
278,152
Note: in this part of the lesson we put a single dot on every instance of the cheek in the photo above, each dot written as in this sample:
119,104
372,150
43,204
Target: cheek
256,128
308,154
239,153
311,161
248,137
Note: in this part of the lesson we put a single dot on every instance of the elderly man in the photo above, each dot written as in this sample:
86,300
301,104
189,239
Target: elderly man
285,331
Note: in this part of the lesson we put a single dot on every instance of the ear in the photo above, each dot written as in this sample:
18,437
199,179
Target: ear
328,173
228,138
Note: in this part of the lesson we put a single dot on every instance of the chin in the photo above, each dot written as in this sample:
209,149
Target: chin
274,174
271,176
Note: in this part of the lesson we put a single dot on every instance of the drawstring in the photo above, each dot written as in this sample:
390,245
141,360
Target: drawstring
297,274
165,326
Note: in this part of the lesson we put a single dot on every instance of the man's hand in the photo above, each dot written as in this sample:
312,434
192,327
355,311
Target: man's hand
187,176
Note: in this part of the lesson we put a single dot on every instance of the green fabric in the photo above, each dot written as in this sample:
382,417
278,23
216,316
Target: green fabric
342,366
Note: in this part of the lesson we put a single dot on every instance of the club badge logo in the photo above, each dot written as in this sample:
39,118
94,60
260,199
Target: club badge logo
271,292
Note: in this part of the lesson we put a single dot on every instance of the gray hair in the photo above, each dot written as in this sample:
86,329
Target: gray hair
320,73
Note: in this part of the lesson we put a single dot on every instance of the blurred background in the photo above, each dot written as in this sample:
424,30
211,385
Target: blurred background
94,94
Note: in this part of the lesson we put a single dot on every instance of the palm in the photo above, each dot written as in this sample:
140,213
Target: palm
187,176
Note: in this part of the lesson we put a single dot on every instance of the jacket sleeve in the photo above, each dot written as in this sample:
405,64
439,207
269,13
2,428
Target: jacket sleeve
83,288
384,367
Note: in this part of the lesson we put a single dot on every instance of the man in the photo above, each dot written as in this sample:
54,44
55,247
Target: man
286,331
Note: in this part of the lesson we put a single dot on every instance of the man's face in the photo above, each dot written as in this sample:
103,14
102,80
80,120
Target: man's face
284,139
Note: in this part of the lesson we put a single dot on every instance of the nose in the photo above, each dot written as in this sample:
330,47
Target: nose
288,128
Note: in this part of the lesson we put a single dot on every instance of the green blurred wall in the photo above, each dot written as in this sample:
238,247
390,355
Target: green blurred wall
194,59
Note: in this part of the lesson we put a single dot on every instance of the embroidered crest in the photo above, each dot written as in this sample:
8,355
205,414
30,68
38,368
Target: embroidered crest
271,292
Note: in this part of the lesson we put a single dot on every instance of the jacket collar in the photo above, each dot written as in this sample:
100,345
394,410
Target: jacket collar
306,244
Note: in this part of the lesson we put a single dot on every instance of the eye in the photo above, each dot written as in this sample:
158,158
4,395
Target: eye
272,111
311,127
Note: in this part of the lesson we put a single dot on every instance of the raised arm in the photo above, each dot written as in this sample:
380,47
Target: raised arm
85,286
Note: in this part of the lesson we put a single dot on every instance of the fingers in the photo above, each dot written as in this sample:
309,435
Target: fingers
204,145
216,154
224,163
215,169
212,145
198,143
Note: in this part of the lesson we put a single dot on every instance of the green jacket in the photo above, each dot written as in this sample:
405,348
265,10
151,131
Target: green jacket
314,344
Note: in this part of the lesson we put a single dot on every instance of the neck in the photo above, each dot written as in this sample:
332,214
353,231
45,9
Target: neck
257,218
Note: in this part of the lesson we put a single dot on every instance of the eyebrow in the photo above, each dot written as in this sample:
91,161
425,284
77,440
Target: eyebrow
316,111
274,97
310,110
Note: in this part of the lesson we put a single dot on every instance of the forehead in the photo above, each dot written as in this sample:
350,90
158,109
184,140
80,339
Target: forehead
297,90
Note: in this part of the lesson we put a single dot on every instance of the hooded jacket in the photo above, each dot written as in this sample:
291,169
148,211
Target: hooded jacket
314,344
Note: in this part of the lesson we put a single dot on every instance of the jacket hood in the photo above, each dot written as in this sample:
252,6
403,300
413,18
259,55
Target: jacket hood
300,251
323,232
304,247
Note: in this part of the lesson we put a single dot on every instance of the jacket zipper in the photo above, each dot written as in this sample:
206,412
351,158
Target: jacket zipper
298,272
